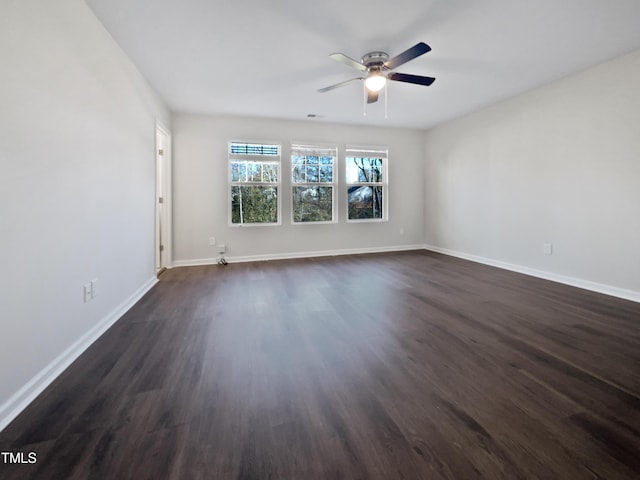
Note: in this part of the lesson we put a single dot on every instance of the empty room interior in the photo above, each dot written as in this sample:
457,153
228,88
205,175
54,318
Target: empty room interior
320,240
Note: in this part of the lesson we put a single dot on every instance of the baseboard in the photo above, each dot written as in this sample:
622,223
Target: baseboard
574,282
27,394
291,255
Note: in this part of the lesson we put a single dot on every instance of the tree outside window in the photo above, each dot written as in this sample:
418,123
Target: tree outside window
312,179
254,183
366,184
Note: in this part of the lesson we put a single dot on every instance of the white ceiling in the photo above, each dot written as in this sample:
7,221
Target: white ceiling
268,58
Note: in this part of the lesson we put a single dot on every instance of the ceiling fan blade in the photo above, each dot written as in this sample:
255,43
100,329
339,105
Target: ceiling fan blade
372,97
405,77
341,57
331,87
408,55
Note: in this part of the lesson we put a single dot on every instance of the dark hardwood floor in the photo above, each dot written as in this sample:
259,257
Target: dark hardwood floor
407,365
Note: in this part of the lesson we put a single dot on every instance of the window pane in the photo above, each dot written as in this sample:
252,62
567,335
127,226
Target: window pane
326,160
254,171
254,149
326,173
364,170
364,202
297,161
254,204
312,160
297,174
376,169
312,204
312,173
239,172
352,170
357,170
270,172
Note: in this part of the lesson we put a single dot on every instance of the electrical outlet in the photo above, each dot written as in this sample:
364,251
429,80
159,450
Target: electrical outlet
547,248
94,288
212,241
222,248
401,230
87,292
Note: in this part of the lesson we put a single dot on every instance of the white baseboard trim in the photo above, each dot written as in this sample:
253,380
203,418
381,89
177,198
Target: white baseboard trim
34,387
291,255
574,282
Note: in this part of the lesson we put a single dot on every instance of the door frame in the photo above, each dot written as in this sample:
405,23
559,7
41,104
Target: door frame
163,218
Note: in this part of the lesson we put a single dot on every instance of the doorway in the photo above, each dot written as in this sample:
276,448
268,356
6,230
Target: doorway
163,199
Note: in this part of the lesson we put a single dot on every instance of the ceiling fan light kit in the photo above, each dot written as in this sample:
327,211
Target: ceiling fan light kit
375,82
378,68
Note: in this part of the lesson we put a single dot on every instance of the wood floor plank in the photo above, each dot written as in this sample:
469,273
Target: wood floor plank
410,365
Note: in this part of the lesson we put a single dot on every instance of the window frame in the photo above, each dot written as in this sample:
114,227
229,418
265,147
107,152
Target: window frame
319,149
371,152
255,158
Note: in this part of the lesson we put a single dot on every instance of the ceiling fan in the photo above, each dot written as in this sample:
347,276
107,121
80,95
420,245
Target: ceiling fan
378,67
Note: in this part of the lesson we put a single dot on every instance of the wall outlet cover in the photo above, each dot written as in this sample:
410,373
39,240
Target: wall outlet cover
87,292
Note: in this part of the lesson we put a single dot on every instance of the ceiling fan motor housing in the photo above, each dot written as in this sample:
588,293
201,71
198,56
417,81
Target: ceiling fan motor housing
374,59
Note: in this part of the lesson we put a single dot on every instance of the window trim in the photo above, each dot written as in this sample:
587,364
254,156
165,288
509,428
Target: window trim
298,146
369,151
275,159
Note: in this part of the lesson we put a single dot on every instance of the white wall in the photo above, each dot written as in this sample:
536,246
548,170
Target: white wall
201,198
560,164
77,132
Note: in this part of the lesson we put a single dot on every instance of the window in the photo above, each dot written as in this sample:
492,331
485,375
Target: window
366,184
255,181
312,183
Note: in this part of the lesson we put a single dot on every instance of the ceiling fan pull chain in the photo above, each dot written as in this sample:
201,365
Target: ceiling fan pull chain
386,94
364,100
